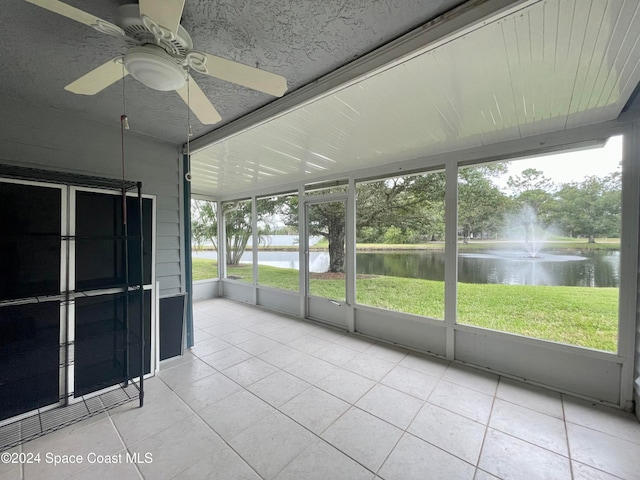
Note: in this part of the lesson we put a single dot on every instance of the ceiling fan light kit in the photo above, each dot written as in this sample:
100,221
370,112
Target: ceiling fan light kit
160,55
154,67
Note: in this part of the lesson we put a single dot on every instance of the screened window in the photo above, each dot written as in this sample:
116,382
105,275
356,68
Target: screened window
238,231
278,249
204,239
400,244
539,246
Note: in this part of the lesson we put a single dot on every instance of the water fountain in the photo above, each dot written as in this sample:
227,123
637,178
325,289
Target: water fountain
522,258
533,234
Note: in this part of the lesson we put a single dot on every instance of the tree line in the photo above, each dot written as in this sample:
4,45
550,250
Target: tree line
410,209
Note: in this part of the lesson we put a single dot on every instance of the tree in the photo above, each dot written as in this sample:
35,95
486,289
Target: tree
204,223
481,205
238,229
591,207
395,210
328,220
532,188
238,225
530,180
325,219
401,210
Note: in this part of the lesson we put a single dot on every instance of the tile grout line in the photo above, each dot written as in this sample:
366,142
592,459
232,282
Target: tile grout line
277,408
286,415
213,430
565,421
566,433
486,431
123,443
377,383
405,430
294,420
126,447
571,459
522,439
318,437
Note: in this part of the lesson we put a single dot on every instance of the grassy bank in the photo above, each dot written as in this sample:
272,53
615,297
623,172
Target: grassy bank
474,245
575,315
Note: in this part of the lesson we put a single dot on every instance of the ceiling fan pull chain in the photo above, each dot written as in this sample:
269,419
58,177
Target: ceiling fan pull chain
124,125
187,176
124,117
189,132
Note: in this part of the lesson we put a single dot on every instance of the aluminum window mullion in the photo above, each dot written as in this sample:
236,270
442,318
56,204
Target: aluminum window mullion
451,256
303,252
254,248
629,260
350,267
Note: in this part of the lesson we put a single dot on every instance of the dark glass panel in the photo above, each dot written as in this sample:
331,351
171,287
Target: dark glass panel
29,240
100,344
100,244
171,326
99,256
29,357
133,217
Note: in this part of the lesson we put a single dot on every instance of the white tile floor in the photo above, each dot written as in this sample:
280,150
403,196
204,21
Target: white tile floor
265,396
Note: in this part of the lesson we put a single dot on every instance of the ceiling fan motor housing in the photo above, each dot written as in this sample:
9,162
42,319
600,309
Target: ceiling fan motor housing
137,33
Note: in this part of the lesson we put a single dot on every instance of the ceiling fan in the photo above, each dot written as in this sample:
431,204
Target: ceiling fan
160,55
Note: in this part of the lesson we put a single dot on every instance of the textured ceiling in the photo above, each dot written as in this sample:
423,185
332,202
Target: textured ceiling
299,39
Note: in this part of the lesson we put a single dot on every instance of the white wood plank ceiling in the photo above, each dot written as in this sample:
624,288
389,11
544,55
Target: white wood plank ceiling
549,66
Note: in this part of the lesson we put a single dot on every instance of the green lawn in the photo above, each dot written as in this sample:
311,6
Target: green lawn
203,268
576,315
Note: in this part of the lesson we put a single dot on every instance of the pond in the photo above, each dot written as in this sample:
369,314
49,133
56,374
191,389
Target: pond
585,268
594,268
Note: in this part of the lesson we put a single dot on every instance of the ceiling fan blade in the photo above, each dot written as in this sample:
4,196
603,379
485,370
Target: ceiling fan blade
79,16
98,79
199,103
245,75
166,13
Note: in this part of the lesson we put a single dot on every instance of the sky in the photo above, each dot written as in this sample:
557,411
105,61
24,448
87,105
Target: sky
572,166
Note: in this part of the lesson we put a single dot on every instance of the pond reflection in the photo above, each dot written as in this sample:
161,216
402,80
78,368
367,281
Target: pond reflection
575,268
583,268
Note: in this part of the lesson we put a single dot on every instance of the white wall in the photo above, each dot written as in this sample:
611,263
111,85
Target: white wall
205,289
37,137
